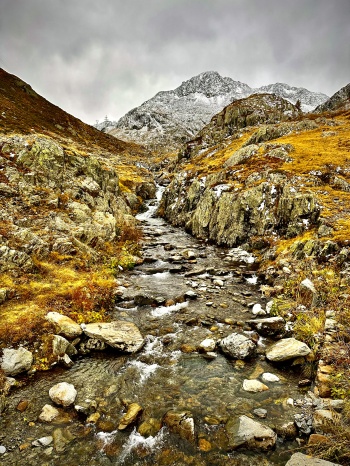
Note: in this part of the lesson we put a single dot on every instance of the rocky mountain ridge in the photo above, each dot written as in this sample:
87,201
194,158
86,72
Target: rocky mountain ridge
171,118
340,101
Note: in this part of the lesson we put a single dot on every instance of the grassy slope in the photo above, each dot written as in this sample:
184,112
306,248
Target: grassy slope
65,284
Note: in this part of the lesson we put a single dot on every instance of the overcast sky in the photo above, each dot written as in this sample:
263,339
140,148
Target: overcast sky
104,57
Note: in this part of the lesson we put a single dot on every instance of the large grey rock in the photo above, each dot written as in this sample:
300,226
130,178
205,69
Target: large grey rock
61,346
244,431
288,348
15,361
237,346
64,325
299,459
122,335
63,394
269,326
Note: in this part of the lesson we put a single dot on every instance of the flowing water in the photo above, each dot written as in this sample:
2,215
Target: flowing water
167,374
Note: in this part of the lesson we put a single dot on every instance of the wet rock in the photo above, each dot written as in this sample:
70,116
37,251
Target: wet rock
150,427
63,394
299,459
181,423
22,406
43,441
188,254
61,438
210,355
237,346
246,432
64,325
207,345
4,293
61,346
254,386
15,361
268,377
122,335
287,430
48,413
257,310
288,348
269,326
190,294
204,445
130,416
304,423
260,412
187,348
324,419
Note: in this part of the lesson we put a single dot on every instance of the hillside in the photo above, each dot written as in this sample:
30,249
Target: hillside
340,101
67,197
173,117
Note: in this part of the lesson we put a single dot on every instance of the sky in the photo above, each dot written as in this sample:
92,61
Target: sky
97,58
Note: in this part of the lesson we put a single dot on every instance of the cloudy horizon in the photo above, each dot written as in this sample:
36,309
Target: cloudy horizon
104,58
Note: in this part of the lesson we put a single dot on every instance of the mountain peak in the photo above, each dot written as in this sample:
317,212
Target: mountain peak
211,84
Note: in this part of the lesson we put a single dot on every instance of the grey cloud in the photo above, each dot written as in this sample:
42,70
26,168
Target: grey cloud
105,57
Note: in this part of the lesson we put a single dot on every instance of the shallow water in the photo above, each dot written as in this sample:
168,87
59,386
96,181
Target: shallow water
160,377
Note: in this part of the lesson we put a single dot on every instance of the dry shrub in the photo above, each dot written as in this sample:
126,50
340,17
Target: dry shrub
130,233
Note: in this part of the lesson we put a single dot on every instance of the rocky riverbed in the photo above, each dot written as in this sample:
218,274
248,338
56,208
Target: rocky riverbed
194,369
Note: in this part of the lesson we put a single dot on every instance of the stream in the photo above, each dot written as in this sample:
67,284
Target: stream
186,291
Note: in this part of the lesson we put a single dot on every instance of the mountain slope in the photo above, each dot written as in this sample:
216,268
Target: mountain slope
23,110
173,117
250,111
67,195
339,101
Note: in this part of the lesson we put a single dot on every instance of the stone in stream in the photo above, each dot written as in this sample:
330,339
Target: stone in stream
268,377
119,334
190,294
15,361
64,325
150,427
61,438
299,459
63,394
2,449
246,432
43,441
237,346
48,413
207,345
260,412
181,423
254,386
257,310
288,348
130,416
269,326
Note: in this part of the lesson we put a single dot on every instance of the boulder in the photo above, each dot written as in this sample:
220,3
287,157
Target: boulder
15,361
63,394
288,348
269,326
251,434
237,346
122,335
64,325
299,459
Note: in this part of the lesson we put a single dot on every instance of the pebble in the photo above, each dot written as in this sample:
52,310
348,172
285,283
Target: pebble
209,303
268,377
2,450
259,412
218,282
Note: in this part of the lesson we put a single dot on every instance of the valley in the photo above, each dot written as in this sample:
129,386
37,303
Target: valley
204,287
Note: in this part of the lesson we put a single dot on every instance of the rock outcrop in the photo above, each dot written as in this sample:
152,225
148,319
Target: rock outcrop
339,101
